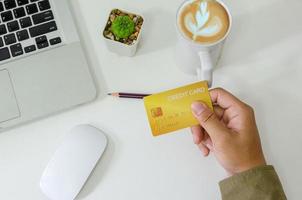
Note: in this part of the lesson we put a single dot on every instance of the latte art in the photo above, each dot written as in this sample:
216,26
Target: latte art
204,21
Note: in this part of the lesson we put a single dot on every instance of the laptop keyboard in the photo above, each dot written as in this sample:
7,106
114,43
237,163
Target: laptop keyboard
26,26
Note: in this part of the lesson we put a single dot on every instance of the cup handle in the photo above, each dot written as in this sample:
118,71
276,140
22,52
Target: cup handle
205,72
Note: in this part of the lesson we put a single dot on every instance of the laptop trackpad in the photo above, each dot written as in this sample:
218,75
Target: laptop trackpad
8,104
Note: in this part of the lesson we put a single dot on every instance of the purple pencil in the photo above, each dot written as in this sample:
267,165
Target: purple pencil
128,95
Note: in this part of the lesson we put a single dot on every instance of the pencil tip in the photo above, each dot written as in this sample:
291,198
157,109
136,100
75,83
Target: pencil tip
113,94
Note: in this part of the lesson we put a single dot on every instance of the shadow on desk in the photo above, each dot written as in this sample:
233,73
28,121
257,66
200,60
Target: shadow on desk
261,29
101,168
158,31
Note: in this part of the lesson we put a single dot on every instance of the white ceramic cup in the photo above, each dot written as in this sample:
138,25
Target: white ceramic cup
197,58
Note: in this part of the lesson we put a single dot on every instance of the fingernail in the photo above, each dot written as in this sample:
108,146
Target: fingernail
198,108
195,139
204,152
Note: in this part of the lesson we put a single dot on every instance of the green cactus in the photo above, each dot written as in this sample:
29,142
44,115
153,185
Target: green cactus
122,27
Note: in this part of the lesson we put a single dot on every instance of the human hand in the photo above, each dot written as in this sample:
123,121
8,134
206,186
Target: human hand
230,132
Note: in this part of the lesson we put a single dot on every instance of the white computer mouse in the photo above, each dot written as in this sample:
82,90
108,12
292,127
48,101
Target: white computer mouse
72,163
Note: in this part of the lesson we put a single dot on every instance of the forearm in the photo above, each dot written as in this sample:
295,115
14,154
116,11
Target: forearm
260,183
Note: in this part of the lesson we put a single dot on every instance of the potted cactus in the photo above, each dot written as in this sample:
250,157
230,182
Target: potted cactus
122,32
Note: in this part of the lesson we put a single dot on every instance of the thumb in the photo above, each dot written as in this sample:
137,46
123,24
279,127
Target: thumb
208,120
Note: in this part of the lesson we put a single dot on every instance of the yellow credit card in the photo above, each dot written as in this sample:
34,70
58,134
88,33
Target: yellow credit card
171,110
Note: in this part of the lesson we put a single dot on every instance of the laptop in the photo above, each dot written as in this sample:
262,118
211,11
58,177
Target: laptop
43,68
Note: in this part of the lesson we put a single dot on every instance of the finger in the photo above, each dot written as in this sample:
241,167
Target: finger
223,115
218,112
232,106
208,143
223,98
208,120
205,151
197,134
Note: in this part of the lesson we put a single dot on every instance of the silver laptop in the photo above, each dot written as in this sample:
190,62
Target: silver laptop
43,69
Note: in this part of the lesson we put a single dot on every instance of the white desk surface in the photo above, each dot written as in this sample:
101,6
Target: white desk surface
261,64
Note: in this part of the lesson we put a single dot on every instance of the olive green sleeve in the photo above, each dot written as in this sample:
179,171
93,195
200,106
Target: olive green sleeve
260,183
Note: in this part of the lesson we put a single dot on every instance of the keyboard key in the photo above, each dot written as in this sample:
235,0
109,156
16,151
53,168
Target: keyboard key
43,45
31,8
9,4
42,17
34,0
16,50
13,26
22,2
1,7
3,29
1,42
30,49
43,29
44,5
7,16
42,42
25,22
19,12
10,39
4,54
41,39
22,35
55,41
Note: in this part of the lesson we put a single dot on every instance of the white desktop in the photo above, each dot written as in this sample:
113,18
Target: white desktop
261,64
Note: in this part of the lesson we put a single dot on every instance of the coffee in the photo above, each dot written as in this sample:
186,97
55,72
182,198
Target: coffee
203,21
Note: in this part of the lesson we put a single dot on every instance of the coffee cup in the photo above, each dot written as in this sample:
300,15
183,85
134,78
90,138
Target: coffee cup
202,28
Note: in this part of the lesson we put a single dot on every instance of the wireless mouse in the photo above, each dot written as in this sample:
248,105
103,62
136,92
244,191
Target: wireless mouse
72,163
